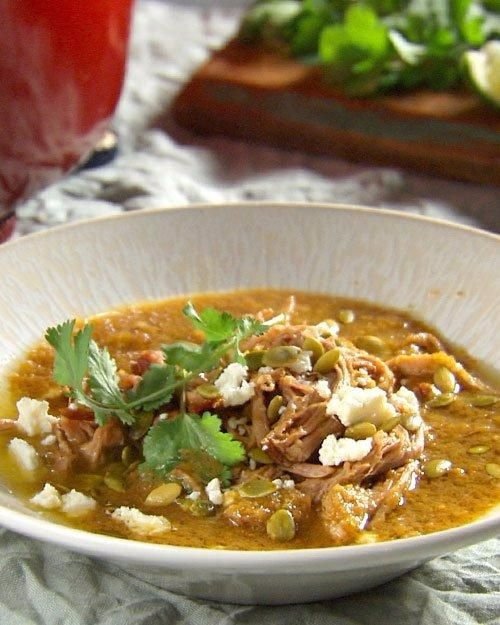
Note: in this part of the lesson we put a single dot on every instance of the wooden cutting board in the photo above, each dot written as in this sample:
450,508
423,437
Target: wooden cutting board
252,94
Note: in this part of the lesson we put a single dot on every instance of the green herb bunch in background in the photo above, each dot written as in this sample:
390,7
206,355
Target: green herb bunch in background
377,46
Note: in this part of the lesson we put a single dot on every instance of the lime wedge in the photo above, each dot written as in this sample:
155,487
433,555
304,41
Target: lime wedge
483,70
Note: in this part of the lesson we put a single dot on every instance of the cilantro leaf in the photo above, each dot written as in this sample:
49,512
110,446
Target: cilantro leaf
155,388
167,440
190,356
78,356
217,326
103,376
92,375
223,332
71,353
222,326
202,466
247,326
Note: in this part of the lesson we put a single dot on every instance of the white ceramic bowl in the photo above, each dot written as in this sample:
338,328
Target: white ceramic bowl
445,274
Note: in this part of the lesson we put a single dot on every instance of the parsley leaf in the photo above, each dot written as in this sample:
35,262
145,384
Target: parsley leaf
167,441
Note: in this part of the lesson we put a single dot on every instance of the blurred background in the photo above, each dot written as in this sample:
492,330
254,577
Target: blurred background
161,164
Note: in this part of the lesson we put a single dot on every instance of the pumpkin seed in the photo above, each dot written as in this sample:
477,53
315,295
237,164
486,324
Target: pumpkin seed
493,469
164,494
260,456
208,391
257,488
313,345
327,361
437,467
281,526
132,466
254,359
346,315
281,356
445,399
89,481
361,430
411,422
114,483
390,424
116,469
128,455
444,380
483,401
372,344
478,449
197,507
273,409
142,425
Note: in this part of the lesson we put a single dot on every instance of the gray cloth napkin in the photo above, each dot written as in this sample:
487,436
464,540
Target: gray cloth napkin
159,165
41,584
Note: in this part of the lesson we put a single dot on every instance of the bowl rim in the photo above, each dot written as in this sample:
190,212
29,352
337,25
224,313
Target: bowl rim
273,205
417,548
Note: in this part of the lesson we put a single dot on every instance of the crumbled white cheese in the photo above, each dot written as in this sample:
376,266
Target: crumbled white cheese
233,386
302,364
352,405
335,451
24,453
264,370
235,422
325,328
284,483
279,318
323,389
76,504
140,523
194,496
405,401
33,416
50,439
214,492
48,498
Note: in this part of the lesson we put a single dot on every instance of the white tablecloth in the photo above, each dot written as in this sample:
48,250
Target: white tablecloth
160,164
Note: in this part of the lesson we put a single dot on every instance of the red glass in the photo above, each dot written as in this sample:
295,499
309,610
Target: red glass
62,64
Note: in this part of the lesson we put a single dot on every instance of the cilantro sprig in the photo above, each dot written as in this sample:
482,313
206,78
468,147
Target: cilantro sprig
375,46
166,443
91,375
